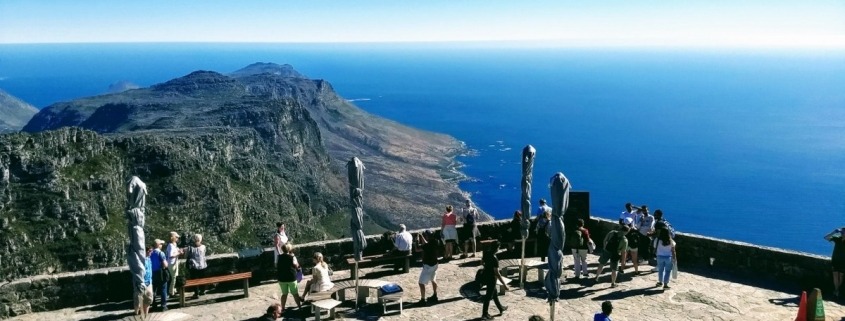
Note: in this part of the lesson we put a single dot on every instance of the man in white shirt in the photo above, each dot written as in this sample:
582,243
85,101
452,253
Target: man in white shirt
403,242
630,213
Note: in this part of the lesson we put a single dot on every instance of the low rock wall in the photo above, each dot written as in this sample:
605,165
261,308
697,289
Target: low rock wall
51,292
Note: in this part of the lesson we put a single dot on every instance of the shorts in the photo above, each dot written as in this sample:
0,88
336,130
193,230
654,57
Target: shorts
633,249
605,257
289,287
450,233
469,232
428,274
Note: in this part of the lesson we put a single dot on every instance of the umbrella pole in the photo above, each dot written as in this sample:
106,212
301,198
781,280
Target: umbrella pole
356,285
552,311
522,266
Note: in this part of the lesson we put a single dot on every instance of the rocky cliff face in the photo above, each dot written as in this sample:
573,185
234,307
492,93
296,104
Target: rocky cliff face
14,113
225,156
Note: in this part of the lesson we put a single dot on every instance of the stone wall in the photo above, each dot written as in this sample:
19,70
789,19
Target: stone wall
51,292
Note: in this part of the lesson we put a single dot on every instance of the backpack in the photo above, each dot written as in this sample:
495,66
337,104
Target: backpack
576,239
613,244
470,217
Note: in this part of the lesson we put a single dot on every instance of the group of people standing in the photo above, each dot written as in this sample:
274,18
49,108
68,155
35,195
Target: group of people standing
640,236
162,269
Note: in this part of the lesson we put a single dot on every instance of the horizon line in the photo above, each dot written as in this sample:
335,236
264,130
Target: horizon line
524,43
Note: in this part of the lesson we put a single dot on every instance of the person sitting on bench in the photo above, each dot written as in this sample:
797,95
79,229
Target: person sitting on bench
320,280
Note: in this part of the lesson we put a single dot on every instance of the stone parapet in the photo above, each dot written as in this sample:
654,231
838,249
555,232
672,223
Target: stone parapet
743,260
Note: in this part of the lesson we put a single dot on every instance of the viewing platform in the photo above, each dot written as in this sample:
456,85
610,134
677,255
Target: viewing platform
719,280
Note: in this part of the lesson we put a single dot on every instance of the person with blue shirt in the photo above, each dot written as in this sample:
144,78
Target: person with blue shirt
161,275
604,315
143,307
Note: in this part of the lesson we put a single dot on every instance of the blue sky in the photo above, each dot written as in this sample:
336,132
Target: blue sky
711,23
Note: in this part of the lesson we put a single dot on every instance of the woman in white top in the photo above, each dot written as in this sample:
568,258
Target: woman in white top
172,253
320,280
666,257
280,238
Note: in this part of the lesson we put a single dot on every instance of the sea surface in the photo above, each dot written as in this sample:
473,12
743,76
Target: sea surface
742,145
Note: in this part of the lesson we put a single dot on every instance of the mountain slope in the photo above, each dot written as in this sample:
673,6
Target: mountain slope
14,113
223,156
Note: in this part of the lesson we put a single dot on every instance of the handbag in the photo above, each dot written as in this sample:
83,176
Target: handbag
674,269
298,275
591,246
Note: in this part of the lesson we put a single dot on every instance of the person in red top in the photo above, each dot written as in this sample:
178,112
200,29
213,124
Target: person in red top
449,232
579,252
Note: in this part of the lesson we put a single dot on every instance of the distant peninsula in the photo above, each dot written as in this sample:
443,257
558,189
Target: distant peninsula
14,113
223,155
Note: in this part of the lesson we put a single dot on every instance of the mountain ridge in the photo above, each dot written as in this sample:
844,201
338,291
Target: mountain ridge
14,113
223,156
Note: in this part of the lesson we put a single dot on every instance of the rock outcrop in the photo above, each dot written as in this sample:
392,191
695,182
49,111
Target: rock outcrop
14,113
224,156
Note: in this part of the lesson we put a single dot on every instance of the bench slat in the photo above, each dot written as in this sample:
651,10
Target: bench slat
218,279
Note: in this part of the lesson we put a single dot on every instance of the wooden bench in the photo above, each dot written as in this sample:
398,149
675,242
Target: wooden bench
379,258
216,279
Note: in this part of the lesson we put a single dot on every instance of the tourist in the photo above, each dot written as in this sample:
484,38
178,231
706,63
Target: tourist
666,257
142,306
449,232
628,213
173,252
614,248
280,238
402,243
274,312
490,277
286,275
514,235
470,231
429,247
543,208
579,251
837,258
161,274
606,309
645,230
633,245
320,280
543,233
661,222
197,264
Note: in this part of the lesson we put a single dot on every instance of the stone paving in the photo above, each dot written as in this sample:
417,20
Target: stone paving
692,297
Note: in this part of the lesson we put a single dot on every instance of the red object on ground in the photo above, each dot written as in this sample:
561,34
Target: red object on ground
802,307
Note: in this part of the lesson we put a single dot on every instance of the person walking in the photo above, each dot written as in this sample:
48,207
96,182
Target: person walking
173,252
633,238
470,231
450,233
490,277
161,274
837,258
286,275
429,246
580,250
280,238
666,257
197,264
614,250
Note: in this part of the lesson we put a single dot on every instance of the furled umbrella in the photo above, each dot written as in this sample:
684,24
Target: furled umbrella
355,169
560,202
136,201
527,167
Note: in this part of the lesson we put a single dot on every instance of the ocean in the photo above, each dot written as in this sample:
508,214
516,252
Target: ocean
742,145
